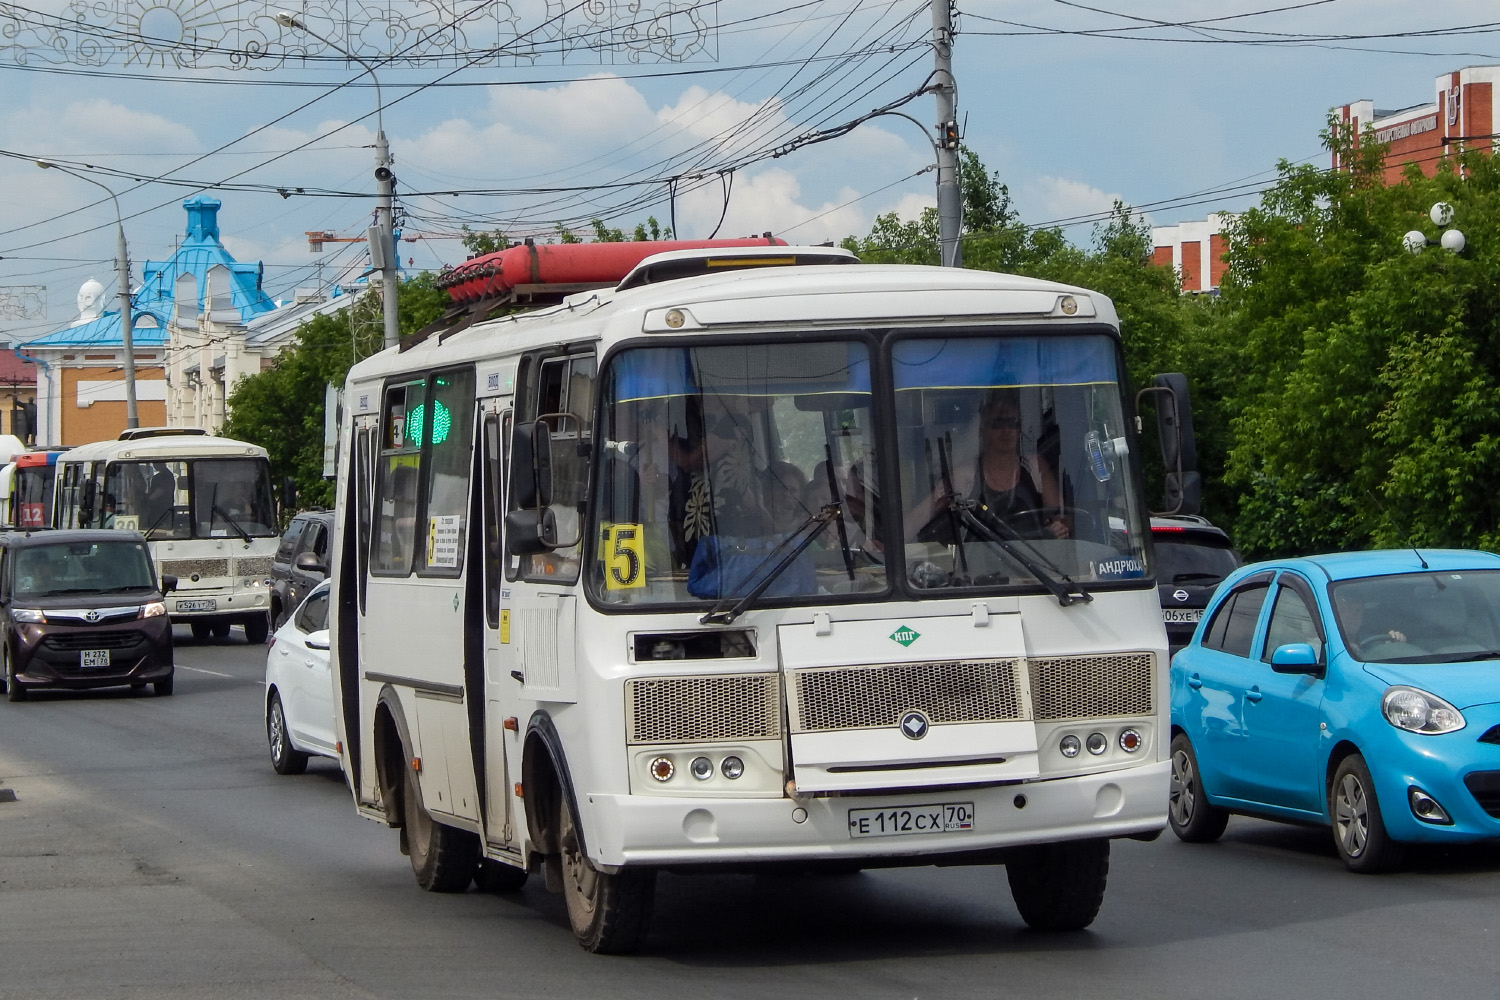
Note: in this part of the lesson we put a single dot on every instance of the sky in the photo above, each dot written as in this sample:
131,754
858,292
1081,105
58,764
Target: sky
522,116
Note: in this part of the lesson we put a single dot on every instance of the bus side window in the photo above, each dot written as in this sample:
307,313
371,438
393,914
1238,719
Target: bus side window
398,478
564,398
447,466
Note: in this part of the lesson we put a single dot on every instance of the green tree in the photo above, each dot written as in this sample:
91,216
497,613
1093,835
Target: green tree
281,408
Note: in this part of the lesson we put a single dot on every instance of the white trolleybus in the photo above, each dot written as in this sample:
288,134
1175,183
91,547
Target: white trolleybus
204,505
739,566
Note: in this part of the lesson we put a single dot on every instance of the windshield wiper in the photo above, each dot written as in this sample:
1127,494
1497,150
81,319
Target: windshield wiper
818,520
159,519
1061,586
216,509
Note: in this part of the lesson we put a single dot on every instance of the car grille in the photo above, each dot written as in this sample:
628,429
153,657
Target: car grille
696,709
1089,687
870,697
71,642
185,568
1491,735
1485,787
252,567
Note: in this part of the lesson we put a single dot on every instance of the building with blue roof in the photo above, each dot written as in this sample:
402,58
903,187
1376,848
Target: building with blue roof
80,383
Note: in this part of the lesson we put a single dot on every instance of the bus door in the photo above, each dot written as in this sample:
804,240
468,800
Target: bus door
503,714
414,600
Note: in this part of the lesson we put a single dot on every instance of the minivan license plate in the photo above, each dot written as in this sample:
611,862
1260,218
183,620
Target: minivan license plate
93,658
945,817
198,604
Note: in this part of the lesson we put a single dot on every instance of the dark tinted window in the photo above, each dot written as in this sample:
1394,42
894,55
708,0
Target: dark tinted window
314,614
1182,557
289,541
1291,621
82,567
1233,627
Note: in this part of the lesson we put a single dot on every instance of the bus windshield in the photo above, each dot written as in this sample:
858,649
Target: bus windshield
192,498
728,469
33,494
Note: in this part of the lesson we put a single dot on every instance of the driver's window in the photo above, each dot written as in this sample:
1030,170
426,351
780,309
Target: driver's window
1291,621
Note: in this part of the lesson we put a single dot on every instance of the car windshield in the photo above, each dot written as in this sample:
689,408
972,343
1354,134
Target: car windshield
81,567
1182,557
1430,617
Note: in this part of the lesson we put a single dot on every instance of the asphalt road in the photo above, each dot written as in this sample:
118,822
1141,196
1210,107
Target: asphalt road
150,851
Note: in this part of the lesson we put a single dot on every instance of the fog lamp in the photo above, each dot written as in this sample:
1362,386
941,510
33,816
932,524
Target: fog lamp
1426,808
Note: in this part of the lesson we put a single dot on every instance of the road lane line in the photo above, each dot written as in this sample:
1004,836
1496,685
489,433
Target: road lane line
214,673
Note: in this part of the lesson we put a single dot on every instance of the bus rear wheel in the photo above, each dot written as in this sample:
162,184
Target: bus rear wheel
444,858
609,912
1059,887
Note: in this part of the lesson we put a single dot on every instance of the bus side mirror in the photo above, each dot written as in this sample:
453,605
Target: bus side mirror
528,532
288,494
531,466
168,583
1183,487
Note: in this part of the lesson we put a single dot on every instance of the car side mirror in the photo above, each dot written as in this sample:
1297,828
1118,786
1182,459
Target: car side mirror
317,640
309,562
1296,658
168,583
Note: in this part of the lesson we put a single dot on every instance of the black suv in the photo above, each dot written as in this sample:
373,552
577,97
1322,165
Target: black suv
82,609
300,563
1192,557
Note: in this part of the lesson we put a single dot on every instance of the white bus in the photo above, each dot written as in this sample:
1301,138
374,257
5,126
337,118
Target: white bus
697,573
204,505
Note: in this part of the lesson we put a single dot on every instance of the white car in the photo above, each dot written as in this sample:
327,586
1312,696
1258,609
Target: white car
299,687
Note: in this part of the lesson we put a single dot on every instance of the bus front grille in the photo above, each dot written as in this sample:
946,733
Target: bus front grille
185,568
253,567
872,697
700,709
1090,687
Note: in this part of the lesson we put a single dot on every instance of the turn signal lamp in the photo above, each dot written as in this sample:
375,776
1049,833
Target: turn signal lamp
1130,741
662,769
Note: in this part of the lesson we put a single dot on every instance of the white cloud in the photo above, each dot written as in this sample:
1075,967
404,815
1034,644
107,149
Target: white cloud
1046,199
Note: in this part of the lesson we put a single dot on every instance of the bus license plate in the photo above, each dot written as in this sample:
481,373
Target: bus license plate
1189,615
198,604
93,658
945,817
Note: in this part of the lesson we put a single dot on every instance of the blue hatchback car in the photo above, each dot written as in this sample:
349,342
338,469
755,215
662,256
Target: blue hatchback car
1359,690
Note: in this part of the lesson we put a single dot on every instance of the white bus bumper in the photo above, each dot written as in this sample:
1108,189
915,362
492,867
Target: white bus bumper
663,830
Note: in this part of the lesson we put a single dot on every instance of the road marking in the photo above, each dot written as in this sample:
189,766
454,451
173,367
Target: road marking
200,670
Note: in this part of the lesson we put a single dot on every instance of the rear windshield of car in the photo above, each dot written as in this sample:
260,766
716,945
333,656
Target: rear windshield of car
81,567
1181,559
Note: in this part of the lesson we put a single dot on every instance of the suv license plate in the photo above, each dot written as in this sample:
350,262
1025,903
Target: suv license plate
946,817
1191,615
198,604
93,658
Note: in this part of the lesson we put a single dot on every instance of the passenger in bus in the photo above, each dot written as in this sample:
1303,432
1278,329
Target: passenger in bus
1006,484
160,497
107,517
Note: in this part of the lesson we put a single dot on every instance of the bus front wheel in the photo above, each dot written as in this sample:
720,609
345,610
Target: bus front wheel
609,912
444,858
1059,887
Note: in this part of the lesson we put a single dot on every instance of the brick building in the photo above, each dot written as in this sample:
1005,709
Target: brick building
1195,250
1462,114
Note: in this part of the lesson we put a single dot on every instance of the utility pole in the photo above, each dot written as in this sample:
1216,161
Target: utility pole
950,200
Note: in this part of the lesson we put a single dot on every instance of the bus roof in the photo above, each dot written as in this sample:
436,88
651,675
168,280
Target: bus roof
177,447
31,459
772,299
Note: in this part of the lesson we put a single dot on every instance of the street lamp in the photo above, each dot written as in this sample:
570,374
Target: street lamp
1452,240
122,269
381,236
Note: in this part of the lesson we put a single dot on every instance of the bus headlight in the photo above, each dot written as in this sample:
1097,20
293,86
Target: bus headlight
1069,746
153,610
701,768
253,583
732,767
1097,744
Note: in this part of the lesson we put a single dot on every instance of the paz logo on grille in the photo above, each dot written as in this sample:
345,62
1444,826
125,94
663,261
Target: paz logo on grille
914,725
906,635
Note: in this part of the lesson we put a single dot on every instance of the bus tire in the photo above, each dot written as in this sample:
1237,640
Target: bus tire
1059,887
256,630
201,630
609,913
221,630
444,858
497,876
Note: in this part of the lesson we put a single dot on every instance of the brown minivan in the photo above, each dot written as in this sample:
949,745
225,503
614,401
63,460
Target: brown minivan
82,609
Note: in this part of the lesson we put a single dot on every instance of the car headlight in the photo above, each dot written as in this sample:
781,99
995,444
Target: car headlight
1418,711
153,610
27,615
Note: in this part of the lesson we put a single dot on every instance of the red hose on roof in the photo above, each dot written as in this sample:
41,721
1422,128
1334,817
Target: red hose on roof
566,264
